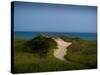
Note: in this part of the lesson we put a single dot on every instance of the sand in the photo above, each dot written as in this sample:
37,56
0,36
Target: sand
61,50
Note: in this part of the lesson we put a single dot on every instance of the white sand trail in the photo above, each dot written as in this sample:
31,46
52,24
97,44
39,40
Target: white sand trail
60,52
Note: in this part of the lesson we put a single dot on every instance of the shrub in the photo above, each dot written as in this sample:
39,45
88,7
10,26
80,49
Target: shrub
41,44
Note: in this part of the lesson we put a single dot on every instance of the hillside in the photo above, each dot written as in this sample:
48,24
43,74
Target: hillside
37,54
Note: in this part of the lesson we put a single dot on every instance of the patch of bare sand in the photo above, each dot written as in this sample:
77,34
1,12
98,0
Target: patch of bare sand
61,50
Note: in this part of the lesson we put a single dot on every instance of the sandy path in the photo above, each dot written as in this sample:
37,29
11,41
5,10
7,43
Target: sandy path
61,51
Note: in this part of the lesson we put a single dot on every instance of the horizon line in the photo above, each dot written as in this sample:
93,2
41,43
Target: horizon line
56,31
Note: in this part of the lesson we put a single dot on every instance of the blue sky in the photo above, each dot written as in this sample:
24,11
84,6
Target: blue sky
54,17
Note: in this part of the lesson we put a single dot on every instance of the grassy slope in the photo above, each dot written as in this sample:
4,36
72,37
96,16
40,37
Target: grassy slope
26,61
82,51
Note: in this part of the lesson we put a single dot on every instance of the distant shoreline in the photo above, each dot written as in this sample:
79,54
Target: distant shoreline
54,32
29,35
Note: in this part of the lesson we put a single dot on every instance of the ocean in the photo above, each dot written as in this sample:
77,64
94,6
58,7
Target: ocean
30,35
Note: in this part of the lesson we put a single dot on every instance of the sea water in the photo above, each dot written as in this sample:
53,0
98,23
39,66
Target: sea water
30,35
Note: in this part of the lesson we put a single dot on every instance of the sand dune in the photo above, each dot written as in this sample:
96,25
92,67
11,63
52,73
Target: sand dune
60,52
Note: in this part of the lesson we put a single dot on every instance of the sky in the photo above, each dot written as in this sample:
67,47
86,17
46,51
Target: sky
43,17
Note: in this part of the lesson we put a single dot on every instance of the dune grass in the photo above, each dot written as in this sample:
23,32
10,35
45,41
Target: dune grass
26,60
83,52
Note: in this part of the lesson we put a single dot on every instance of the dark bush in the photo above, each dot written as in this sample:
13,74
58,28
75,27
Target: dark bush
41,44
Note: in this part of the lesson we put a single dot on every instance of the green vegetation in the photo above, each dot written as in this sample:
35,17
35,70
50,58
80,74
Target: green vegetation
36,55
41,44
82,51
